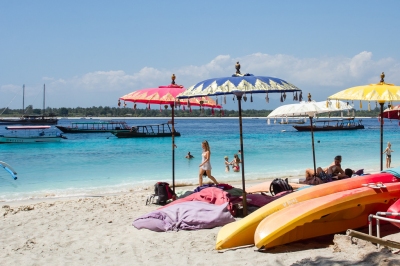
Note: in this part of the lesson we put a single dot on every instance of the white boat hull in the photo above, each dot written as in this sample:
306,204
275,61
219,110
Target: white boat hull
33,139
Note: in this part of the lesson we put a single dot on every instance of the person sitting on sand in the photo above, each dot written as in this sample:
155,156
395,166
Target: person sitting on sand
334,171
227,163
189,156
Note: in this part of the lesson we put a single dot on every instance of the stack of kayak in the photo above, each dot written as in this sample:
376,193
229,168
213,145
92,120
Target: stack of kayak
319,210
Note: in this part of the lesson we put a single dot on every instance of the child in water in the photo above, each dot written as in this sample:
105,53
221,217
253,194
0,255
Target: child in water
227,163
388,152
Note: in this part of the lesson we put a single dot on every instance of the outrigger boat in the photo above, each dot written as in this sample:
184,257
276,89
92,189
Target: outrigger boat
95,127
30,134
332,125
160,130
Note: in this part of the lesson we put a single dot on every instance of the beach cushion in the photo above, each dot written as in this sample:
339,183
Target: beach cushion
191,215
211,195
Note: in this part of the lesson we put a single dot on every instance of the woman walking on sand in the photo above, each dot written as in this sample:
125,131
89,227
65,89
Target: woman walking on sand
388,152
205,166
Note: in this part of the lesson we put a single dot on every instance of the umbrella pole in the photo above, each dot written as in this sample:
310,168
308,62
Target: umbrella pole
173,148
313,148
380,153
239,98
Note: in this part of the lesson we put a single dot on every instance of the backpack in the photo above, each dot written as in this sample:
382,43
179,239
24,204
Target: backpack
162,192
278,185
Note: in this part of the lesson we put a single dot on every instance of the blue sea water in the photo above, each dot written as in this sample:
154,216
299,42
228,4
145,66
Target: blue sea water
101,163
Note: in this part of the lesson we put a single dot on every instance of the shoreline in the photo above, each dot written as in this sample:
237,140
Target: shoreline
136,189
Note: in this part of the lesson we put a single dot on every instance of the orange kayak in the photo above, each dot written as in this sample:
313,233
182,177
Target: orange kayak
325,215
241,232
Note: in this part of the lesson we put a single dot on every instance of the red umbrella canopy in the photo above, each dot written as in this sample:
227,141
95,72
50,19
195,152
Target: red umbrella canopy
392,113
167,95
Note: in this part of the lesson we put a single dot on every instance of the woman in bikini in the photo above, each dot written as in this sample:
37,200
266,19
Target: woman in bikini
235,162
205,166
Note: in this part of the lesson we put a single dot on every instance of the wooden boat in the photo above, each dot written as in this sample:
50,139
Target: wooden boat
30,134
292,121
325,215
50,119
241,232
332,125
145,131
95,127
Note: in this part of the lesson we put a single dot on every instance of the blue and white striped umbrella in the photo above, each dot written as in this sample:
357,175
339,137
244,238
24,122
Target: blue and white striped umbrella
240,85
247,83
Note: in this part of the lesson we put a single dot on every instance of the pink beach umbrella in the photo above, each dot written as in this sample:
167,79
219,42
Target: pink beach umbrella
166,95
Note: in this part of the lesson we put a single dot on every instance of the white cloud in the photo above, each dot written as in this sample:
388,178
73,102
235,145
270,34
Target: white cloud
321,76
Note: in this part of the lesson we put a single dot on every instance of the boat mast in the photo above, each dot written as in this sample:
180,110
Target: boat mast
44,97
23,99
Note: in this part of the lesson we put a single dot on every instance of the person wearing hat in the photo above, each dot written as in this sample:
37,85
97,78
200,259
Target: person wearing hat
227,163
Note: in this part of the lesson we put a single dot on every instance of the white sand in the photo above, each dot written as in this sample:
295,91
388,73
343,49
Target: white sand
99,231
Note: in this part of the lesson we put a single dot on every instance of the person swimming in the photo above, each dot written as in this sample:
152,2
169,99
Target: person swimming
189,156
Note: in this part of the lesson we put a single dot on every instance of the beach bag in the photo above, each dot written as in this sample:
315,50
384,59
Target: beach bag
163,193
278,185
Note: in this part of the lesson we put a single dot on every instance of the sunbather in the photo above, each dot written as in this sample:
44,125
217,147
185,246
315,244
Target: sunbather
334,171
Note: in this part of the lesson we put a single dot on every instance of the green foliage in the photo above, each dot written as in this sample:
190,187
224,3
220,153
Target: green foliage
129,112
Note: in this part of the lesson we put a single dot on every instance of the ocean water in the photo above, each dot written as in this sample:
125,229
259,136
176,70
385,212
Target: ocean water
101,163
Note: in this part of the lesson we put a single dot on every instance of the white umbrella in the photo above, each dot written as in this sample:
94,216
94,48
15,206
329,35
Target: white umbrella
310,108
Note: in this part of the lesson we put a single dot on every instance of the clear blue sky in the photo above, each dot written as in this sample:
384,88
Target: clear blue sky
89,53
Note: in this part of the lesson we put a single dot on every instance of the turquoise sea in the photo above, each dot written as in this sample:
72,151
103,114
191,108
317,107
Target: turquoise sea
101,163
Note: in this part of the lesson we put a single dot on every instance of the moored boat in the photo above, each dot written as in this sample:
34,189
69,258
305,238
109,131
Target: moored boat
145,131
332,125
30,134
50,119
43,119
95,127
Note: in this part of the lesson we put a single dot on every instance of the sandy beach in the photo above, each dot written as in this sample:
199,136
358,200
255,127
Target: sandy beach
97,230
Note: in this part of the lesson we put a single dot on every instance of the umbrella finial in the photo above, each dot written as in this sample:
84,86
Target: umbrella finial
309,97
237,66
383,77
173,77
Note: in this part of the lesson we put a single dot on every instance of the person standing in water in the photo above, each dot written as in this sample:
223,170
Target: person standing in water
205,166
388,152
